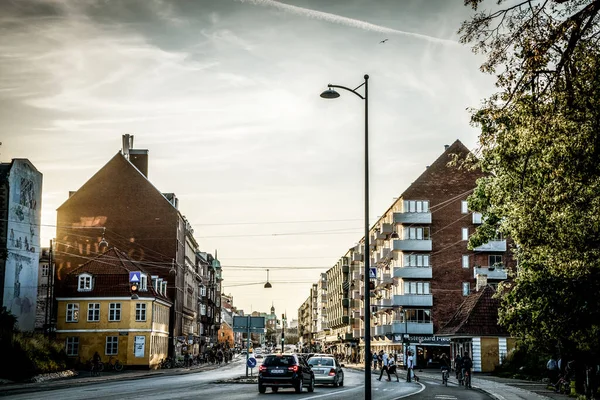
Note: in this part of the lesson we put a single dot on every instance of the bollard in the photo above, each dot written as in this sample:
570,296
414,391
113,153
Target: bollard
573,392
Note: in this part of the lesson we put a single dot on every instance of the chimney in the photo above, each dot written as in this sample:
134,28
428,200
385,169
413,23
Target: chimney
481,282
127,144
446,146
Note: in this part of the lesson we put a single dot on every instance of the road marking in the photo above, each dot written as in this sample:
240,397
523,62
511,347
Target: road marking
445,397
332,393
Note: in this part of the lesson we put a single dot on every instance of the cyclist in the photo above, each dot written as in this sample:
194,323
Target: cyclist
467,364
458,366
445,367
96,363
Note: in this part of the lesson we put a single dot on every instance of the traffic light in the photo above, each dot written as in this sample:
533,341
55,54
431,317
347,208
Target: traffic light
135,287
371,285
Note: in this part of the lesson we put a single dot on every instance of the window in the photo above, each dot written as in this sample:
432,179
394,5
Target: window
114,312
464,207
45,269
112,345
143,282
140,311
93,312
164,288
203,290
85,283
202,309
72,346
496,261
416,288
416,260
465,233
465,261
418,316
419,206
72,312
416,233
466,288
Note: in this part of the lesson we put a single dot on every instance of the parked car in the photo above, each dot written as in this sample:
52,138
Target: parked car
327,370
283,371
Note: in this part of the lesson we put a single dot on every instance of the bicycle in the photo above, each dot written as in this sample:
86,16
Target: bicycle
116,366
95,368
467,378
445,375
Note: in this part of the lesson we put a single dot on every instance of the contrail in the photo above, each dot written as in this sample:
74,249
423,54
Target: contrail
355,23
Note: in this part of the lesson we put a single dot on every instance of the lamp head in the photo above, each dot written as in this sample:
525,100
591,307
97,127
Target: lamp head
268,285
330,94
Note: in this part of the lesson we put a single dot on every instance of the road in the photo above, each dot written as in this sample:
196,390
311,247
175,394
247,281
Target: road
204,385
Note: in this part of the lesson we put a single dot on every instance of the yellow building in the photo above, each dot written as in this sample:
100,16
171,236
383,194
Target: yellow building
97,311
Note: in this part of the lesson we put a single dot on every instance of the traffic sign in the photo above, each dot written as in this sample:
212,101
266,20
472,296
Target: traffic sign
251,362
372,272
135,276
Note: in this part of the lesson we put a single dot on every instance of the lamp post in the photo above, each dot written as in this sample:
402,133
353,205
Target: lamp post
330,93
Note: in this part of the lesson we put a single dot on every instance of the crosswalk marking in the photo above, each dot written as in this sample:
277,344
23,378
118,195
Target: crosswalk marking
445,397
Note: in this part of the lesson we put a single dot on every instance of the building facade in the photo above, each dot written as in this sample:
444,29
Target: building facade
98,312
421,268
20,219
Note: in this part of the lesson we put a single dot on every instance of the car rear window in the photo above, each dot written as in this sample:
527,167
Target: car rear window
328,362
279,361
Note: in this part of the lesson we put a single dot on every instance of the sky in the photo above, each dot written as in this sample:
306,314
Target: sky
225,96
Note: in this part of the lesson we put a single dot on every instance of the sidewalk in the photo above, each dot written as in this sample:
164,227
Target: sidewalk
498,388
84,378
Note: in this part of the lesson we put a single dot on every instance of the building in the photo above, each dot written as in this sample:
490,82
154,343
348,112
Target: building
118,206
45,293
20,219
474,329
97,311
422,267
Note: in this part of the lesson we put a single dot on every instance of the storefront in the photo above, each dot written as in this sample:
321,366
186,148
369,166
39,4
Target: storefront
427,350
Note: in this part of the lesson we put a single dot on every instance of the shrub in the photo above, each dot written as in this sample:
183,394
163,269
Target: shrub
31,355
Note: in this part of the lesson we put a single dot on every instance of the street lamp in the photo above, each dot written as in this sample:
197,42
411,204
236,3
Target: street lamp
330,93
268,285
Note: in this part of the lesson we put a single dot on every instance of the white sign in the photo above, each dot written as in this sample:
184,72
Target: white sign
139,346
373,273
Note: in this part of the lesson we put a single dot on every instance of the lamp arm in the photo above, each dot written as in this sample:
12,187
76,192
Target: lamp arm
348,89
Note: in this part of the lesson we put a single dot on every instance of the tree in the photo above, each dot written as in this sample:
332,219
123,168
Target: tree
540,146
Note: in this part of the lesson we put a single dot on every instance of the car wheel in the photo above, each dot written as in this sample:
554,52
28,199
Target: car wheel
342,381
311,388
274,389
262,388
299,386
335,382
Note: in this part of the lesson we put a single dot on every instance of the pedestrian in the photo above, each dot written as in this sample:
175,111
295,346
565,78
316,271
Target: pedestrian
380,359
392,369
409,366
374,356
552,367
384,366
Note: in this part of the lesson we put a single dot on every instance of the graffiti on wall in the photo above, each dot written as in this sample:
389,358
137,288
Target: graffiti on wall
23,245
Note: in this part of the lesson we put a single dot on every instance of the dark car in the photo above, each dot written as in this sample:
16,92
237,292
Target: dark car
327,370
285,370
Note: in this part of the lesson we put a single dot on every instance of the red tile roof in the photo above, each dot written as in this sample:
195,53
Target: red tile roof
110,272
476,316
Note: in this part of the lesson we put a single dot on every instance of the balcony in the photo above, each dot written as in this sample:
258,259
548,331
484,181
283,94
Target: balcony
413,272
494,245
380,236
345,269
386,279
382,254
381,330
356,333
356,258
413,328
412,218
386,229
493,273
477,218
412,245
356,275
413,300
345,302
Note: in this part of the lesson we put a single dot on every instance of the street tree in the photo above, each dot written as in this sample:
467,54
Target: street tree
539,144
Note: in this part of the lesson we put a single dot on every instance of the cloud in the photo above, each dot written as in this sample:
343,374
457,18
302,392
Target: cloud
351,22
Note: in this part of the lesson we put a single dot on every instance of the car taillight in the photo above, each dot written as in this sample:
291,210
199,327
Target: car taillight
332,372
293,368
262,368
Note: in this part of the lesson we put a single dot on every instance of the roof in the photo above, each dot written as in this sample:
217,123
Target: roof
110,271
476,316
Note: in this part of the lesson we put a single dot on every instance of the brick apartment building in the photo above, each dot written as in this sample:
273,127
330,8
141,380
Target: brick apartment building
424,270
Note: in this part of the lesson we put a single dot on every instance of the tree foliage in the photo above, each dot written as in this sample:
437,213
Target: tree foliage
540,145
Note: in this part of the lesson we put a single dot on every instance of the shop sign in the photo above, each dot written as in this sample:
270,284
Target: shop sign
423,340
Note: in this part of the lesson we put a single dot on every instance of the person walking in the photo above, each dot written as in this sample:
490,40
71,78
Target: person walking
392,369
384,366
374,357
552,367
409,366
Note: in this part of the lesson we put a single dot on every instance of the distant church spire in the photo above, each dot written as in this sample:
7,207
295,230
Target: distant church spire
272,309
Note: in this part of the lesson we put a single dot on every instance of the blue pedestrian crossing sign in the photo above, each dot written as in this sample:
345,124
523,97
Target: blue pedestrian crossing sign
135,276
251,362
373,273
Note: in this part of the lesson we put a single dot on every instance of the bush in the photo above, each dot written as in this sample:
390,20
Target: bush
523,363
30,355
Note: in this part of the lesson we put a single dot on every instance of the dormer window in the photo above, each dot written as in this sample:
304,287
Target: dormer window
143,282
164,288
85,283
